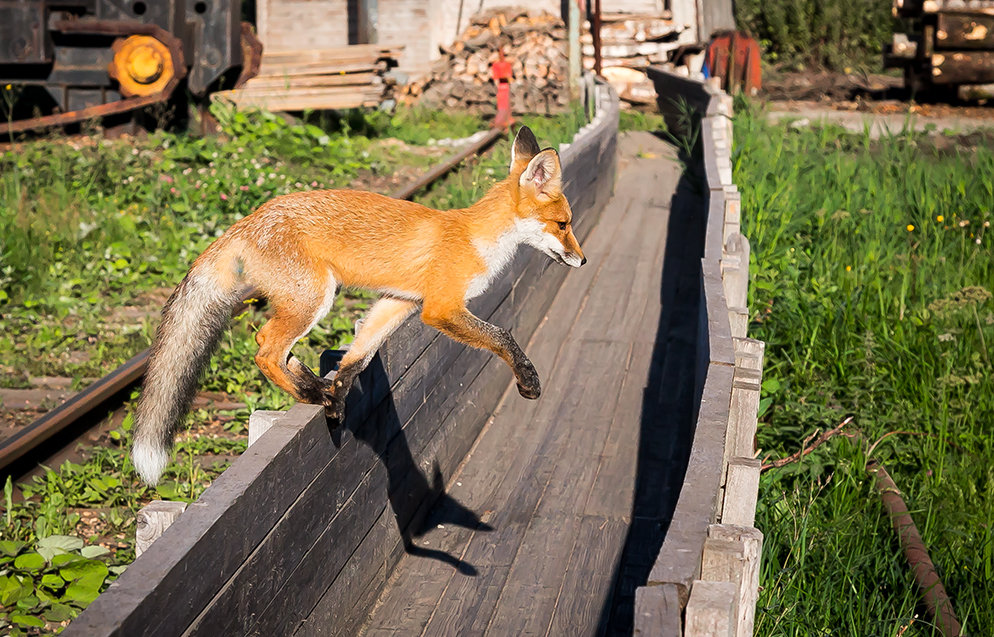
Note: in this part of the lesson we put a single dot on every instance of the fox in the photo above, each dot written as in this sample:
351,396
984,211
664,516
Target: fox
298,250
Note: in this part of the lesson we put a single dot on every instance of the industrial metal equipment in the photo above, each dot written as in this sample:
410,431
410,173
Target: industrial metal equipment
100,57
951,46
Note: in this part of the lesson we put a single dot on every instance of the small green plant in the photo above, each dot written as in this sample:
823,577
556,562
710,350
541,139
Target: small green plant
44,586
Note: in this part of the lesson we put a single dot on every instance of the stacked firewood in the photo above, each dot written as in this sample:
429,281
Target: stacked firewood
535,44
630,43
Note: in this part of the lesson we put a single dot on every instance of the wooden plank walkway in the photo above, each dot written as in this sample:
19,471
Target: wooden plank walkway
574,489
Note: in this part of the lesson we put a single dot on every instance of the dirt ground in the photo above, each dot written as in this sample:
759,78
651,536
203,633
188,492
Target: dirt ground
853,100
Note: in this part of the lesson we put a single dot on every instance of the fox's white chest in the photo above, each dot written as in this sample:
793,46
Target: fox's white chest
497,254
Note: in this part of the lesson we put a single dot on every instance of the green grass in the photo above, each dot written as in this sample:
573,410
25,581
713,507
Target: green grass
871,269
833,34
462,188
91,226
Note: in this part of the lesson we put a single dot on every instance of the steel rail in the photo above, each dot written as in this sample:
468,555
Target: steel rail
100,392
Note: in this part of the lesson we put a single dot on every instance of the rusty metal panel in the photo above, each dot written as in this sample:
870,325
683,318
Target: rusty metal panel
214,29
23,37
963,67
165,14
964,31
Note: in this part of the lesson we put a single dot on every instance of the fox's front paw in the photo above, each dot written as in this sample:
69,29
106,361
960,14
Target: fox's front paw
528,383
334,409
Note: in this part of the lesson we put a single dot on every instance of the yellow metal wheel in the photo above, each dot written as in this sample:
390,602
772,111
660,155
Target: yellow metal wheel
142,65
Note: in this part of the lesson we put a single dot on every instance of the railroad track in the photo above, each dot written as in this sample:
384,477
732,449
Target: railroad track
57,430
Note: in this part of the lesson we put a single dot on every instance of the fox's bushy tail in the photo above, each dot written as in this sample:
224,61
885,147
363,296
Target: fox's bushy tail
193,321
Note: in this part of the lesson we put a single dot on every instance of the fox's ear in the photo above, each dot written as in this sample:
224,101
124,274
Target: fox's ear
543,175
525,147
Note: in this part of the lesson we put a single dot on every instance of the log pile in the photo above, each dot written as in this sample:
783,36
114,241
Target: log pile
953,47
534,42
630,43
317,79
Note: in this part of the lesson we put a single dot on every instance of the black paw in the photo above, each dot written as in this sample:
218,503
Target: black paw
334,409
528,383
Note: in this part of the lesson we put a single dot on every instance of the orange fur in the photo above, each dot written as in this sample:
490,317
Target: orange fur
298,249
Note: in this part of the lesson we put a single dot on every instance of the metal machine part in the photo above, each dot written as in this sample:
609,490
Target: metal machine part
93,57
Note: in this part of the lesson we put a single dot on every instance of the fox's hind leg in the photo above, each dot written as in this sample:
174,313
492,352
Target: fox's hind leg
383,318
291,322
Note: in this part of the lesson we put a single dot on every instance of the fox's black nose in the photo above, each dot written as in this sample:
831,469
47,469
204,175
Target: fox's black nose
583,261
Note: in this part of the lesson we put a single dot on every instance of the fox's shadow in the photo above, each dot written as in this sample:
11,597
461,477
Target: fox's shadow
418,505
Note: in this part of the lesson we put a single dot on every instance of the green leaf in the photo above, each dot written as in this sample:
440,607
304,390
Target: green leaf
11,548
93,551
84,568
66,558
771,385
64,542
12,589
28,602
27,620
58,613
83,591
29,562
51,580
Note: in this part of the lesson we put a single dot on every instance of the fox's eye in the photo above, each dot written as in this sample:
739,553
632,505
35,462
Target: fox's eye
562,225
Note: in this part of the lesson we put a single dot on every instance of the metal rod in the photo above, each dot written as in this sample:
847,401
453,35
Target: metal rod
13,448
937,602
409,190
595,27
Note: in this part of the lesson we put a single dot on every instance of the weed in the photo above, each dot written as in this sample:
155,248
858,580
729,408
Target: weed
833,34
871,272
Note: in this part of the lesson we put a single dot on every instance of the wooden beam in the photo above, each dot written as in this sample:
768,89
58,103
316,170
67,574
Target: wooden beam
732,554
963,67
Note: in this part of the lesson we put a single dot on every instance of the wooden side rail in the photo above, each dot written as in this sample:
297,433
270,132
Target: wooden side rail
305,526
706,576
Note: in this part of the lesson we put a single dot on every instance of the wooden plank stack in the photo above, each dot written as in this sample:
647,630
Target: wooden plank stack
316,79
534,42
629,44
953,46
633,41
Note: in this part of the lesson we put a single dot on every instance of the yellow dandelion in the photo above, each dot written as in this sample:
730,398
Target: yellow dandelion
910,227
848,268
940,218
8,87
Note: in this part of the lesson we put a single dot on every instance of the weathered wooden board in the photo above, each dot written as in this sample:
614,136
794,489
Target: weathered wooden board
964,31
302,532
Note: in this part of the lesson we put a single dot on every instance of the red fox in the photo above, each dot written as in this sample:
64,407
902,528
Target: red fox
297,250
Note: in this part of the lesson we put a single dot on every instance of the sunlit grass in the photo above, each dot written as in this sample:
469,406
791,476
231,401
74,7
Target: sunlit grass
871,276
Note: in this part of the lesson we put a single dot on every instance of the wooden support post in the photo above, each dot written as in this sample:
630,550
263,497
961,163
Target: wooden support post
731,557
733,216
735,277
575,63
711,610
153,519
260,421
743,411
741,491
657,611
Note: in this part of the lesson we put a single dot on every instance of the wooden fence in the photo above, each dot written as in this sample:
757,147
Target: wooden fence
296,537
706,576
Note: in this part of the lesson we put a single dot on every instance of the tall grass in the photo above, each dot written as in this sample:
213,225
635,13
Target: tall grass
872,269
829,33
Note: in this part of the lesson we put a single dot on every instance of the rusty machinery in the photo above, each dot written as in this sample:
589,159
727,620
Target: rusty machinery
100,57
950,47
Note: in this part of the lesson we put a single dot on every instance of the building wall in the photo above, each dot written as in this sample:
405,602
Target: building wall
422,26
294,25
